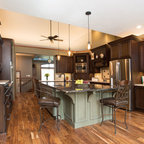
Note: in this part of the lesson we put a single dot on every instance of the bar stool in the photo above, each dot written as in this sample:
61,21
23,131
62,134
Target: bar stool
119,100
46,100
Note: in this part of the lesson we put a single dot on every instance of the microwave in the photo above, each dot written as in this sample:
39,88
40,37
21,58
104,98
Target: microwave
81,67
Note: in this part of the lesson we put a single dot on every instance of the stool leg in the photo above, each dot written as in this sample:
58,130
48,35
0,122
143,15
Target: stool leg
115,119
102,113
125,118
41,118
112,114
57,119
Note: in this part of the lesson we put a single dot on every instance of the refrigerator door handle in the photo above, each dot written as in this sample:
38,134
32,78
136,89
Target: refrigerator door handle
118,72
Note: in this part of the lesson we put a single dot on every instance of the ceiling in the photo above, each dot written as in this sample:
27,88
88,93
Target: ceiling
26,20
117,17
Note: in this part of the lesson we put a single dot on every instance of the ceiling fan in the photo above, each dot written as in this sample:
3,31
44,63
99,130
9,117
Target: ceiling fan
51,38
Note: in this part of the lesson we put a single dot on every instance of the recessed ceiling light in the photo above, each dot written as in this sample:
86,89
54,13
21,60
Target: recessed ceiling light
139,26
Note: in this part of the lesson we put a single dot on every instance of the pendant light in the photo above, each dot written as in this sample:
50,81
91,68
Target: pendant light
1,41
58,56
69,51
89,45
49,60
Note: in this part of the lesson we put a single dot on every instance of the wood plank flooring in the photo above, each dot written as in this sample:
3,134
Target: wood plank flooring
24,124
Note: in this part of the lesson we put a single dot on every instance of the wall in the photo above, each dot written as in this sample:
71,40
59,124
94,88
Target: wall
24,64
38,50
99,38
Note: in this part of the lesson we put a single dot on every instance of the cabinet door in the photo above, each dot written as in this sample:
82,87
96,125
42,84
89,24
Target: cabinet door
139,97
125,49
115,51
0,58
61,65
0,53
142,58
70,65
6,58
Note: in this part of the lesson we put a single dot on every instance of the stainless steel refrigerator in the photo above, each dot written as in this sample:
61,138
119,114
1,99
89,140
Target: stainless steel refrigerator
121,70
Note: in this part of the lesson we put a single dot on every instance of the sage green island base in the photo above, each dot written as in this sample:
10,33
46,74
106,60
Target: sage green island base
81,109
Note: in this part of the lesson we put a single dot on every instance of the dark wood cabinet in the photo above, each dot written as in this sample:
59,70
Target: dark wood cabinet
141,56
81,66
5,106
126,47
101,56
6,59
64,65
0,57
70,65
139,97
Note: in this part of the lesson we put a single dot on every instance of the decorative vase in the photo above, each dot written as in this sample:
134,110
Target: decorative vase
47,78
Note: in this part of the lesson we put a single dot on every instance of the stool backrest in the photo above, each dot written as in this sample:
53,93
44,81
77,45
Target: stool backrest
123,90
36,87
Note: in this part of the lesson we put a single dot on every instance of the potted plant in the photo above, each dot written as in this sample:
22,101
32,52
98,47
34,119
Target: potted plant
47,75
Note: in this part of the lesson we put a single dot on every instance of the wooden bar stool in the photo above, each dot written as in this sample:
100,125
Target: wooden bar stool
119,100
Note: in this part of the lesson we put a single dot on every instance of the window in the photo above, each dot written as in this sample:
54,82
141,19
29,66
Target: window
47,68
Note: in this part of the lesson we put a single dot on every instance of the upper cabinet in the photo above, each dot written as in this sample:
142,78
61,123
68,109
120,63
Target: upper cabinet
126,47
141,56
64,65
6,59
81,66
101,56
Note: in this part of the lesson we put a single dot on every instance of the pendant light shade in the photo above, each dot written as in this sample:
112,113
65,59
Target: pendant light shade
58,56
1,41
49,60
69,51
89,44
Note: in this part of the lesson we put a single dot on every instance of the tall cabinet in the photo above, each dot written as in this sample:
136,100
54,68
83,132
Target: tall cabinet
6,88
127,47
6,59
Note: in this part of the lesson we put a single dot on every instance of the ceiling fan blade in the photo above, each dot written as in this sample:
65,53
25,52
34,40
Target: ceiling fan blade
44,36
55,36
58,39
43,39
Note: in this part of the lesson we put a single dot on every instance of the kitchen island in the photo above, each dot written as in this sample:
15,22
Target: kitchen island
80,104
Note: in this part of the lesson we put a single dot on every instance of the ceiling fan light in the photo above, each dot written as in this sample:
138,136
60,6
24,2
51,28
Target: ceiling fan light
58,57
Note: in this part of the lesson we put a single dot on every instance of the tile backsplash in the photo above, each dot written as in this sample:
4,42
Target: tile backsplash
104,75
60,77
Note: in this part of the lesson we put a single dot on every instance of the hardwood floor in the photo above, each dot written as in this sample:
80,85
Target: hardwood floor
24,124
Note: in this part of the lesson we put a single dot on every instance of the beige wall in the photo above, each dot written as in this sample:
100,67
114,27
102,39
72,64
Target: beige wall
36,50
99,38
24,64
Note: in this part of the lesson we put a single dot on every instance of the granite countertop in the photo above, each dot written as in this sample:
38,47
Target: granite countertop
139,85
3,82
71,87
97,82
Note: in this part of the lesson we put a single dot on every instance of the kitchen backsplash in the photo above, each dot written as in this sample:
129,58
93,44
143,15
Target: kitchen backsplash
104,75
60,77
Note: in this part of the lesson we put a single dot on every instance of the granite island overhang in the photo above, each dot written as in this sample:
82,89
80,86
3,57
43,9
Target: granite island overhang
80,104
